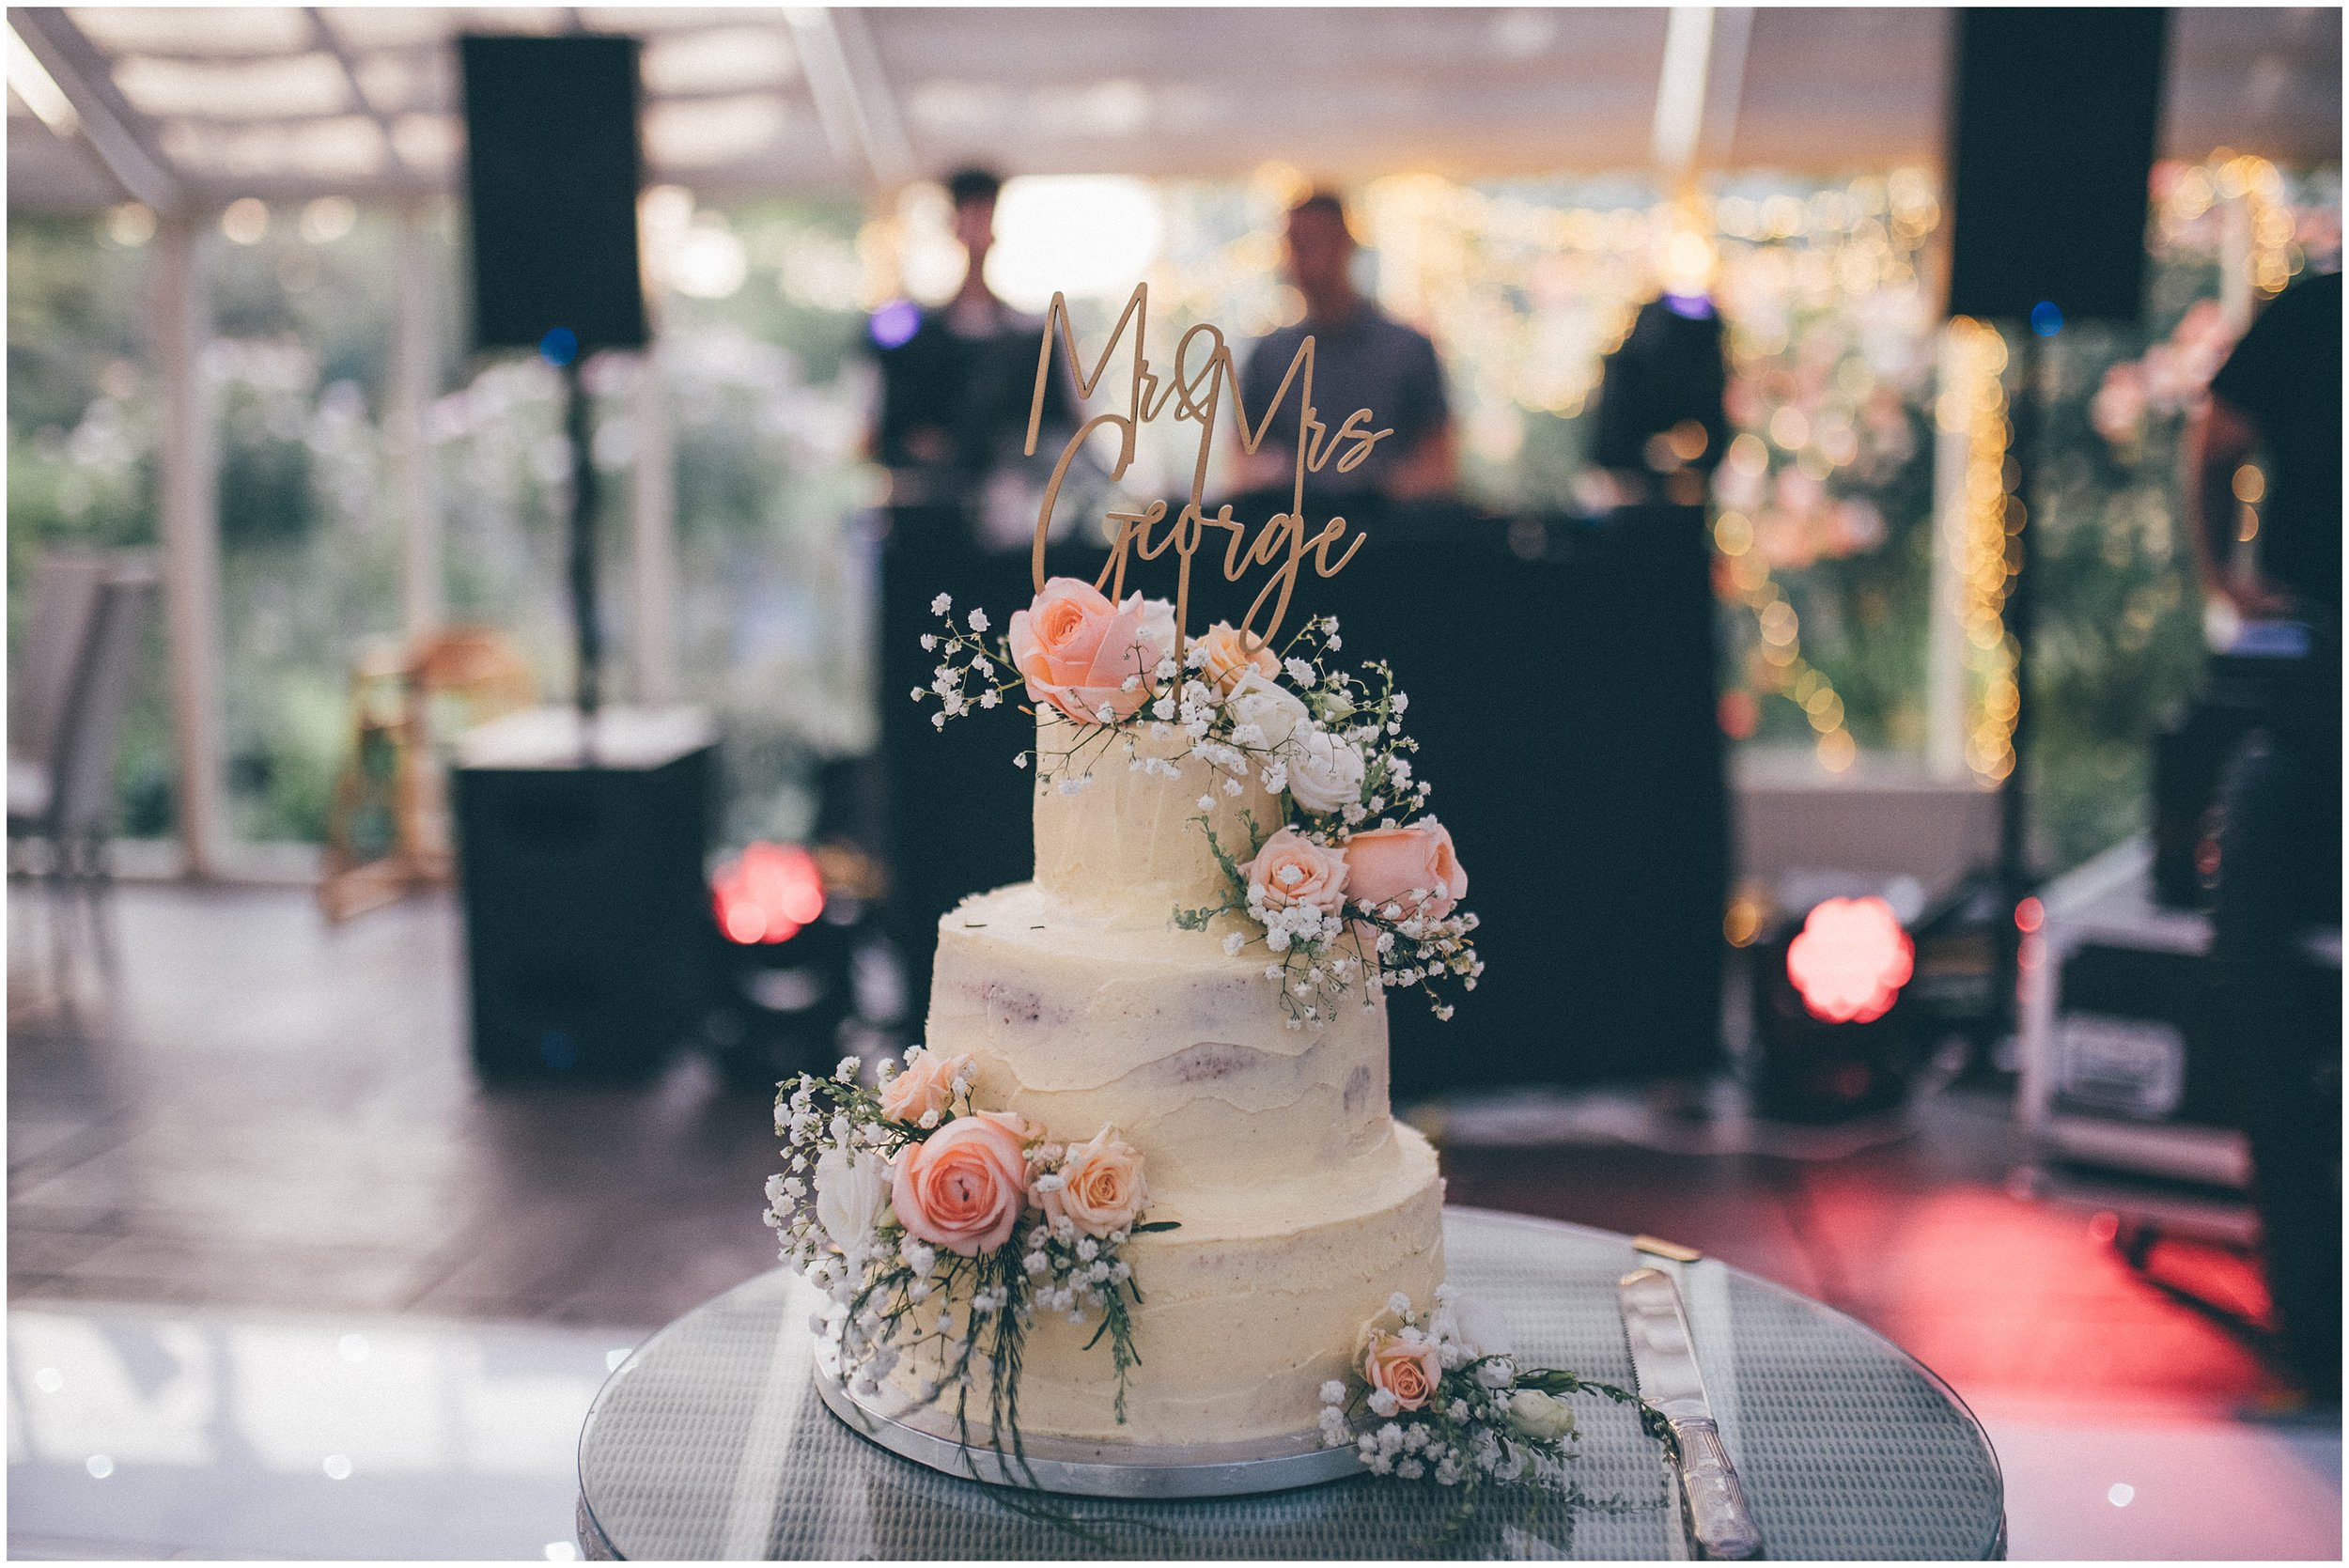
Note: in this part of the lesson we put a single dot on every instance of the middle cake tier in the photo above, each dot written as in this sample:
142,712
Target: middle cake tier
1184,1048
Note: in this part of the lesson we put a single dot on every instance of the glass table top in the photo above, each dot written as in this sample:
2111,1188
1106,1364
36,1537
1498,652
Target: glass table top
710,1442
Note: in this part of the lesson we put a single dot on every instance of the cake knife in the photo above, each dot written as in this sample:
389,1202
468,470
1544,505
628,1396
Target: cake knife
1662,1355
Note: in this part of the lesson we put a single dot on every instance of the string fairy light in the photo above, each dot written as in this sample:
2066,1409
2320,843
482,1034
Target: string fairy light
2256,183
1776,664
1989,546
2241,203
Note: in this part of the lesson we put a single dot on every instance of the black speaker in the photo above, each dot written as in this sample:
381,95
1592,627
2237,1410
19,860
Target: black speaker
2055,112
1574,739
588,922
553,169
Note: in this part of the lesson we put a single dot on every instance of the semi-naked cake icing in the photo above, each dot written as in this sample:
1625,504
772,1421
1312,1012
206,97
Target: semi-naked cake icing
1300,1204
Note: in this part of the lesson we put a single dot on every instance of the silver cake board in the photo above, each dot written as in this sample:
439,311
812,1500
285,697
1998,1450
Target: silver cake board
929,1435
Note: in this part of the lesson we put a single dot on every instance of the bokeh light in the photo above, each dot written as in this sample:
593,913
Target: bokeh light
1088,236
767,894
1850,960
246,221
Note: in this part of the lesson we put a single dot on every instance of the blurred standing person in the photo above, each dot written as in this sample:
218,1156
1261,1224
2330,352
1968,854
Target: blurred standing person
2279,844
2279,392
956,384
1363,359
1663,425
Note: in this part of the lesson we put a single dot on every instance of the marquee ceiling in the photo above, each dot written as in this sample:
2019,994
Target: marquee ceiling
203,105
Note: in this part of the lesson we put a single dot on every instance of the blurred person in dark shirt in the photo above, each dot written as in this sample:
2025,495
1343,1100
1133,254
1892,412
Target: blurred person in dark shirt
956,383
2279,837
1363,359
1662,413
2279,393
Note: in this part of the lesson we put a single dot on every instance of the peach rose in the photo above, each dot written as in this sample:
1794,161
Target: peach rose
1409,1372
1227,652
1077,649
963,1186
1292,869
926,1087
1412,866
1100,1189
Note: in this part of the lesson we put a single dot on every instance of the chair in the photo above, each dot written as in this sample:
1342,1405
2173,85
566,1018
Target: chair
387,829
89,614
65,603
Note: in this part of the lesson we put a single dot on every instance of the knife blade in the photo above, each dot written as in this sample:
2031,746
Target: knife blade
1656,1328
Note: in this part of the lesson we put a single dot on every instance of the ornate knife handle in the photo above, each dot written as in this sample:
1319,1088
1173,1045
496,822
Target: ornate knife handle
1718,1518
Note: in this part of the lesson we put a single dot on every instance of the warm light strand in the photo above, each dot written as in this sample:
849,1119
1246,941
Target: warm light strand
1776,664
1989,547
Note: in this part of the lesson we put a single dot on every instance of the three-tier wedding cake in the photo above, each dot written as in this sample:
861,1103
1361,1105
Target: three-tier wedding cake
1138,1198
1300,1206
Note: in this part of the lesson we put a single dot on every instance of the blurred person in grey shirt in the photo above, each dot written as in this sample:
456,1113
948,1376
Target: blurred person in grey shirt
1362,358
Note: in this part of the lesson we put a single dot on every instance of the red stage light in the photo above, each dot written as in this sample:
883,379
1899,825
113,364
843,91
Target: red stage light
767,894
1850,960
2030,915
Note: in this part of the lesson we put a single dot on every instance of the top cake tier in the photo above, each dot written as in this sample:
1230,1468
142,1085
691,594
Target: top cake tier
1124,848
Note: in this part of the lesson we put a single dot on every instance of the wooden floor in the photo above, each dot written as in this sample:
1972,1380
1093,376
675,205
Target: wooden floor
250,1109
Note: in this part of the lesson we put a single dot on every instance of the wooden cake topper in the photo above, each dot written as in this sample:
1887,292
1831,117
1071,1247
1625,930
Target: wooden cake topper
1197,390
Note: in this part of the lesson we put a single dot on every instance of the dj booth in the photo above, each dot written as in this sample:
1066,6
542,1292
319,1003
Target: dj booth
1561,677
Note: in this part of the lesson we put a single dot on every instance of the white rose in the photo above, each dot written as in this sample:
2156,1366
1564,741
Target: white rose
851,1196
1274,710
1535,1414
1325,771
1496,1374
1158,622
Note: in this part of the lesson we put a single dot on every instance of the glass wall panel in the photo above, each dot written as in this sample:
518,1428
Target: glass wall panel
84,417
302,299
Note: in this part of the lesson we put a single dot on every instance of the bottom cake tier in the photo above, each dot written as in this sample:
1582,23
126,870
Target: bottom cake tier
1248,1308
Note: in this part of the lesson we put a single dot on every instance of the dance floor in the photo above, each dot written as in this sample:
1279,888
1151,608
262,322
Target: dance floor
249,1159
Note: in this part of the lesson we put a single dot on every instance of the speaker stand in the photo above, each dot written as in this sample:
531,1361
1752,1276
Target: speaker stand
588,640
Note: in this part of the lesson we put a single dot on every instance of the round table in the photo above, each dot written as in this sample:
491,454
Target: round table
710,1442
